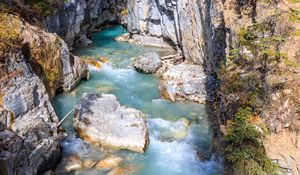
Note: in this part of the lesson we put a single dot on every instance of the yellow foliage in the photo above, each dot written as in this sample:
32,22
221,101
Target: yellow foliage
255,119
10,28
124,12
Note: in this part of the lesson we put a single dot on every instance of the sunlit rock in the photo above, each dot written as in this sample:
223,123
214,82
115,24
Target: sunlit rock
184,81
69,164
109,163
102,121
91,62
147,63
167,91
123,38
88,163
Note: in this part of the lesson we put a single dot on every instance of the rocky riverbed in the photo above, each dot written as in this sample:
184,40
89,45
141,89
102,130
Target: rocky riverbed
177,131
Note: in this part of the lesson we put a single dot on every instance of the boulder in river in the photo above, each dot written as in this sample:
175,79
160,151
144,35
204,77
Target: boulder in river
184,81
102,121
147,63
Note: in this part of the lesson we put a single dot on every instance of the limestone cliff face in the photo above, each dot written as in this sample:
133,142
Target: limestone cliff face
31,71
193,27
28,122
76,19
51,60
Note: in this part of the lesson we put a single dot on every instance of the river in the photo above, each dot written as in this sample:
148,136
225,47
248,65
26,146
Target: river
177,130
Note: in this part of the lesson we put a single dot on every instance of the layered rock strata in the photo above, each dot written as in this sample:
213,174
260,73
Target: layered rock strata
75,20
31,71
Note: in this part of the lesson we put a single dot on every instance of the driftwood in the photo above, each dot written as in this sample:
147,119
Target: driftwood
175,56
63,119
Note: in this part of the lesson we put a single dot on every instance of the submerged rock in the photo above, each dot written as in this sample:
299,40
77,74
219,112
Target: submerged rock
109,163
126,169
89,163
73,163
147,63
101,120
68,164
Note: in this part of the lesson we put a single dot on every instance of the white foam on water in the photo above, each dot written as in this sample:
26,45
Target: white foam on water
177,155
166,155
120,74
76,146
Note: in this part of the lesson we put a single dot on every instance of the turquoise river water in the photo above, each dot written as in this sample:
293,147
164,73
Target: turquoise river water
173,144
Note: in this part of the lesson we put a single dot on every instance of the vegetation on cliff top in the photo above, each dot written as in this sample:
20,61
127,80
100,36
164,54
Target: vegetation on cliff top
10,29
32,11
245,90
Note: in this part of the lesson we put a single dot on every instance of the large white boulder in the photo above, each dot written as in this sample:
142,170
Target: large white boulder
102,121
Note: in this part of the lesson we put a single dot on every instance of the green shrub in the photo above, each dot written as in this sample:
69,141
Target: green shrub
43,7
245,150
244,91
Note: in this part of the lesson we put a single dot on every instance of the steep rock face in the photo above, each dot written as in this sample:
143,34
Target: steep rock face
34,64
50,59
28,132
185,24
194,28
76,19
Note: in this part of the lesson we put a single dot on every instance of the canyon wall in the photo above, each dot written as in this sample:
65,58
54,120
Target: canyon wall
193,27
75,20
34,65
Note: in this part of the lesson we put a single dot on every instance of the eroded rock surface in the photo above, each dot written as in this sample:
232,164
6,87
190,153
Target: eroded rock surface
184,81
190,26
101,120
284,148
28,133
76,19
31,71
50,58
147,63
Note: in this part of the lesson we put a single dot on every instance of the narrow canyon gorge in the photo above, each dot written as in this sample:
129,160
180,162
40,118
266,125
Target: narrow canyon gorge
150,87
